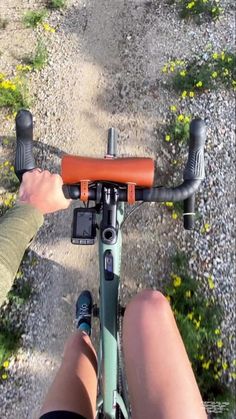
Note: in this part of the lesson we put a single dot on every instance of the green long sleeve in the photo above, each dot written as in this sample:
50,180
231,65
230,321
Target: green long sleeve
17,227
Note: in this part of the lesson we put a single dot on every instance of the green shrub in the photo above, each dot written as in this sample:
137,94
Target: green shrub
57,4
13,93
39,58
21,294
178,128
200,10
199,320
8,178
203,74
33,18
9,343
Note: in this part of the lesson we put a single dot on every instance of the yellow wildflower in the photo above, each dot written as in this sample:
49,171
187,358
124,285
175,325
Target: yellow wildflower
191,94
167,137
216,376
206,365
186,119
4,376
233,375
226,72
215,55
190,5
204,1
211,283
164,69
188,294
174,215
173,108
176,280
169,204
206,228
201,357
219,343
225,366
222,55
199,83
180,117
172,68
234,363
197,323
184,94
48,28
214,74
180,62
217,331
21,67
2,76
229,59
8,85
234,83
182,73
6,364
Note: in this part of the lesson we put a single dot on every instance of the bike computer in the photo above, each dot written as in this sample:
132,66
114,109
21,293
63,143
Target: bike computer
84,226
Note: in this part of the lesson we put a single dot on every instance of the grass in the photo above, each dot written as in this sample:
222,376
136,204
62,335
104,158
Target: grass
39,58
199,319
13,93
33,18
57,4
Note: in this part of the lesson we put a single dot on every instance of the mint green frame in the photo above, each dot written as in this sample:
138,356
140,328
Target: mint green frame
108,398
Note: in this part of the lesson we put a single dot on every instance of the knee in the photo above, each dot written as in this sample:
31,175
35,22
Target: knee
77,343
146,305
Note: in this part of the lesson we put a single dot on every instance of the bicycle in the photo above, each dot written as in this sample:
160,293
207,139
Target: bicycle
110,182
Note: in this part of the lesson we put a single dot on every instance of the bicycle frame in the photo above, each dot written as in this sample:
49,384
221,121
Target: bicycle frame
109,398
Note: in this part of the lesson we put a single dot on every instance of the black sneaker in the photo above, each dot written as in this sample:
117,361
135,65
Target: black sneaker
84,311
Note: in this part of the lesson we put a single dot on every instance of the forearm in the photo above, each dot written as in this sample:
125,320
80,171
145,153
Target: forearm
17,227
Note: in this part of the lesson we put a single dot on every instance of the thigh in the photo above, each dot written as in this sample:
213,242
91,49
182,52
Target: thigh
160,378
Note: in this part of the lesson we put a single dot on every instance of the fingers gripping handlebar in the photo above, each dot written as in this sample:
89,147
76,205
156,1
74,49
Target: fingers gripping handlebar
193,173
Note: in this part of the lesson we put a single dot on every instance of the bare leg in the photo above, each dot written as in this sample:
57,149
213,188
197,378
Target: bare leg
75,386
160,378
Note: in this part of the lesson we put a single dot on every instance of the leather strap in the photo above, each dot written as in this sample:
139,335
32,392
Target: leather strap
84,190
131,193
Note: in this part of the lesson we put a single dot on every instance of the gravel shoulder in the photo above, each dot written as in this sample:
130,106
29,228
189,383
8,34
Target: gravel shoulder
104,70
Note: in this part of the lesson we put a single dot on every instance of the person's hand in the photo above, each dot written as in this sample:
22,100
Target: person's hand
43,191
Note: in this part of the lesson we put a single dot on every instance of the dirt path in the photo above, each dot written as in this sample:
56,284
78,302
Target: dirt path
79,96
105,61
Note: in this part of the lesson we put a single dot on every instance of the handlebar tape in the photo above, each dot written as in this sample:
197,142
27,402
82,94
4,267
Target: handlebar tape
24,160
195,165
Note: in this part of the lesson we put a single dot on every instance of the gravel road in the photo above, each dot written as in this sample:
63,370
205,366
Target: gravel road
105,70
